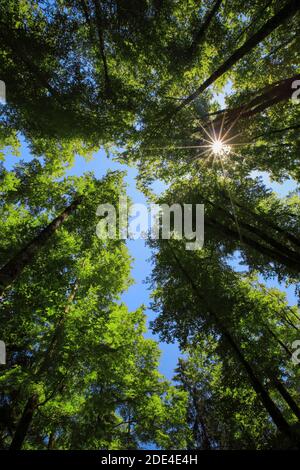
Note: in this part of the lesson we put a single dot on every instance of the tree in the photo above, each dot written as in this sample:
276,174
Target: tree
200,295
290,9
80,373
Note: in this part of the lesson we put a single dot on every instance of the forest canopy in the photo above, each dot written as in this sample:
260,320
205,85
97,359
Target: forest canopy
204,98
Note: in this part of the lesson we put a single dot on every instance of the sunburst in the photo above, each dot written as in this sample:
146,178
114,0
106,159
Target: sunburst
215,144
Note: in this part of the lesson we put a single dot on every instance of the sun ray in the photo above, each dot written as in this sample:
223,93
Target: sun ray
196,157
230,138
231,202
207,133
213,129
222,125
232,125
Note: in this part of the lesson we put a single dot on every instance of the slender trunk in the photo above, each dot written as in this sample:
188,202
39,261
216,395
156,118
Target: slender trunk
266,222
273,94
290,323
24,423
99,25
205,445
277,383
264,250
200,34
51,441
287,320
286,396
284,347
289,10
277,131
280,88
86,14
279,248
283,44
266,400
48,358
24,257
253,22
32,402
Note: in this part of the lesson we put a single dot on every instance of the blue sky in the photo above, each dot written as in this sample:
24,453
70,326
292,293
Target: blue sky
139,293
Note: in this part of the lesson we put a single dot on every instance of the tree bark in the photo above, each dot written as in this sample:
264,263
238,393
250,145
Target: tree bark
286,396
264,250
24,423
24,257
266,400
200,34
277,246
289,10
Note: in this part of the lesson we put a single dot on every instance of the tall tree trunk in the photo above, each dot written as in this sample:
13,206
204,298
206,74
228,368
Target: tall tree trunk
278,384
278,247
266,221
100,31
200,34
276,131
271,95
199,421
24,423
32,402
48,357
254,20
24,257
273,255
286,396
289,10
51,441
266,400
284,347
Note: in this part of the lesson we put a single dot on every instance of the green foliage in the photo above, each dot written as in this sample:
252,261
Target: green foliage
85,74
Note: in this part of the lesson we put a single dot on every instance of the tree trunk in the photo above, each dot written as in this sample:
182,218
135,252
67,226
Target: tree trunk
276,131
289,10
271,95
51,441
278,247
284,347
48,358
99,25
23,258
32,402
266,222
273,255
266,400
24,423
200,34
286,396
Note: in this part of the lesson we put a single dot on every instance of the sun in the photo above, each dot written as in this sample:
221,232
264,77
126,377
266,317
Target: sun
219,148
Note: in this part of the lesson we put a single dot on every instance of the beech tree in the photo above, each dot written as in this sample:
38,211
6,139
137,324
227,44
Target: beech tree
200,296
79,372
140,79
